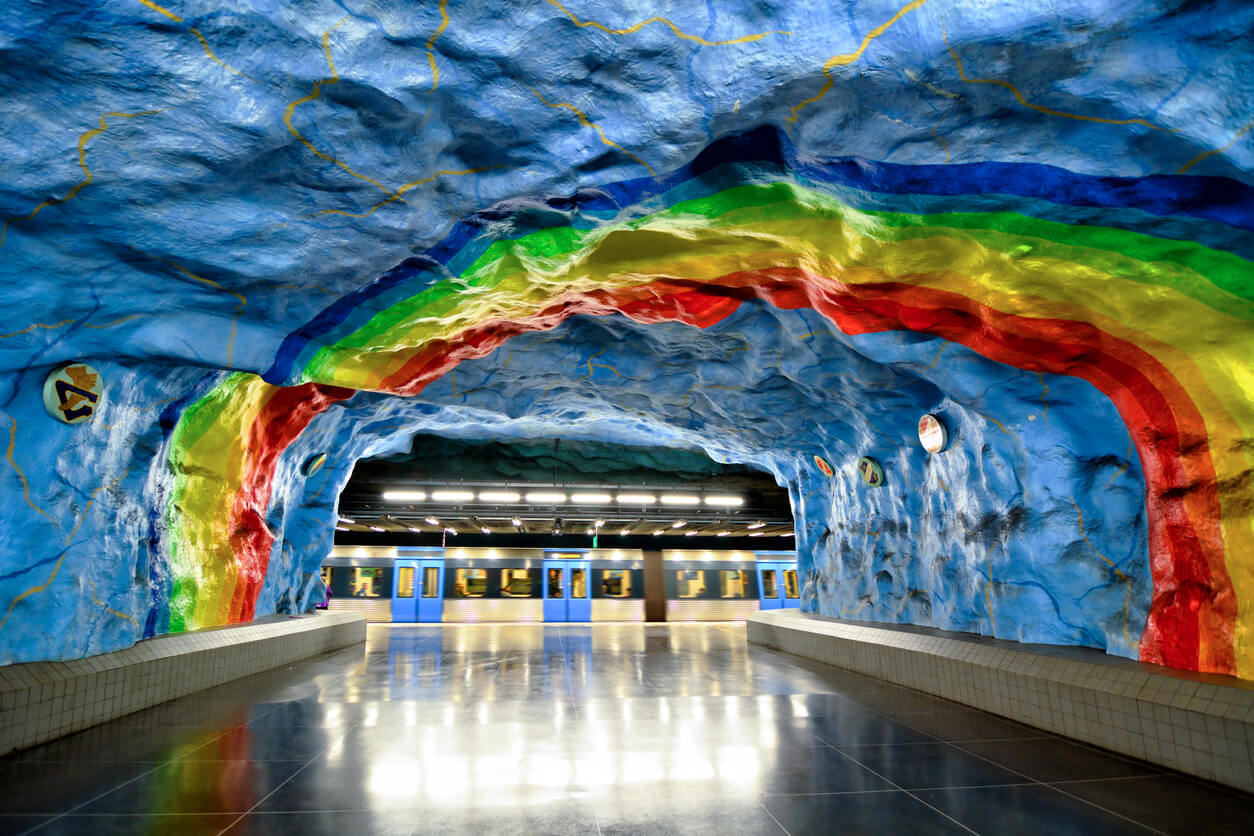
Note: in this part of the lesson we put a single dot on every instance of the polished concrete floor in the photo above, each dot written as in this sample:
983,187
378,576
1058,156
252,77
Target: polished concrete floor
584,729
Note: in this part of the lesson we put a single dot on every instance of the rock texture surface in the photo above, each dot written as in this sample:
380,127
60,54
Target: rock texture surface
279,230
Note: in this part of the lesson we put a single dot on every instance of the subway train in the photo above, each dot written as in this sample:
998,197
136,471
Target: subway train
465,585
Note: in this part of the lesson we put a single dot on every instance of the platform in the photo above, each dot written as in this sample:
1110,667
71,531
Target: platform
611,729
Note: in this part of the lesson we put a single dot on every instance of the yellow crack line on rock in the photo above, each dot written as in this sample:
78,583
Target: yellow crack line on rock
66,322
988,600
435,70
1204,155
679,33
397,194
35,590
587,123
1040,108
943,143
21,475
106,607
1044,395
243,303
82,162
200,37
850,57
1127,457
317,92
1127,605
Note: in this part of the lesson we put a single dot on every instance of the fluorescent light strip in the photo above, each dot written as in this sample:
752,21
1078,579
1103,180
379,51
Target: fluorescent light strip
452,496
637,498
591,498
404,496
546,497
499,496
432,521
752,526
679,523
680,499
725,501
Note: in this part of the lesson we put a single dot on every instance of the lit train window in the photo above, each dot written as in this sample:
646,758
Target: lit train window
515,583
470,583
326,576
616,583
405,582
578,583
735,583
690,583
790,584
554,589
430,582
365,583
769,589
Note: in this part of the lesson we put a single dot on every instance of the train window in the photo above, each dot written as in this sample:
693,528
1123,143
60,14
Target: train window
430,582
405,582
616,583
515,583
554,588
691,583
365,582
470,583
790,584
769,590
578,583
735,583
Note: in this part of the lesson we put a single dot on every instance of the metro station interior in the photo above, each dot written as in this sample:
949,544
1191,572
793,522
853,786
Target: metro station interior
679,417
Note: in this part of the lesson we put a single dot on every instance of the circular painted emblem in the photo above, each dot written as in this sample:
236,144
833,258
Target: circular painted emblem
871,472
822,465
932,434
313,464
73,393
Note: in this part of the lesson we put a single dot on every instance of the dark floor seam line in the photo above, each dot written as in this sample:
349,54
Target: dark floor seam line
284,782
1057,789
906,791
762,804
59,816
898,789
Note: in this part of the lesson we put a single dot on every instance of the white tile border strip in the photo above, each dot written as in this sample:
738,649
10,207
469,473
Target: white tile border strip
1195,723
41,701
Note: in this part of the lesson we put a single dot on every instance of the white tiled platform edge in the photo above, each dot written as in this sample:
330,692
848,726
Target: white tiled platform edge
41,701
1199,724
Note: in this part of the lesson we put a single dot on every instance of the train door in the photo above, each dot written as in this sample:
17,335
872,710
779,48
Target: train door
430,591
771,585
566,596
790,587
403,582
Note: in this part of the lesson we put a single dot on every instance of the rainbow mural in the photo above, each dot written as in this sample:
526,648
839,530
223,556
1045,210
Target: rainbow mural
872,247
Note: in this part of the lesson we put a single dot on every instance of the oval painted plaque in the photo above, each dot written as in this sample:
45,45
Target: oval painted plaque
871,472
932,434
822,465
72,393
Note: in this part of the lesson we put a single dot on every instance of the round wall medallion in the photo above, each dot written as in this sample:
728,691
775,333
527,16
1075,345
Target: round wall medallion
822,465
932,434
313,464
72,393
871,472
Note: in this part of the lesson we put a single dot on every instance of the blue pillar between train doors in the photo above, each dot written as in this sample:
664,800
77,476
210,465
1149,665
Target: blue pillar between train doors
566,590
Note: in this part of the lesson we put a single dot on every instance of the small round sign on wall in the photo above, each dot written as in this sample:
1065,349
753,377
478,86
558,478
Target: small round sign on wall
871,472
932,434
821,464
73,393
313,464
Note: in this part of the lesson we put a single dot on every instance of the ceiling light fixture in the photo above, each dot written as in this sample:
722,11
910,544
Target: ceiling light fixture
625,531
591,498
415,530
432,521
404,496
499,496
338,528
376,528
452,496
546,497
723,533
756,534
347,521
789,534
598,523
485,529
679,523
637,498
691,533
752,526
516,522
659,531
725,501
680,499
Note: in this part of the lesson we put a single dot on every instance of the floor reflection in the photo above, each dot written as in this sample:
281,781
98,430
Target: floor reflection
581,729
